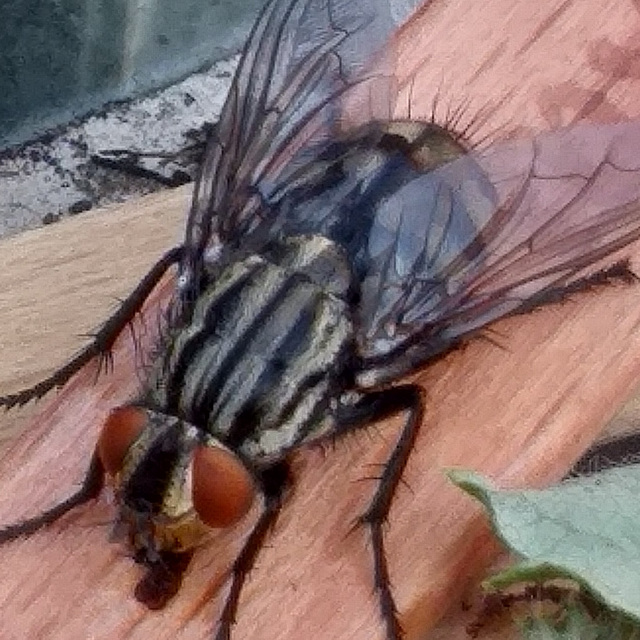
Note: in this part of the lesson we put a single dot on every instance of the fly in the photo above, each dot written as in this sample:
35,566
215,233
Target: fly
322,262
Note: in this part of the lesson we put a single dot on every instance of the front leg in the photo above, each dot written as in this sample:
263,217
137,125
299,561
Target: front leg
275,480
369,407
91,487
104,339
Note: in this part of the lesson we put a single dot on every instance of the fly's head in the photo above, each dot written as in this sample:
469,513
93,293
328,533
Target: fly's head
173,483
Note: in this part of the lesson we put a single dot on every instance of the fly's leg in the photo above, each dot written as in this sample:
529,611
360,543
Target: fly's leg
371,406
129,162
103,339
275,482
620,272
91,486
186,160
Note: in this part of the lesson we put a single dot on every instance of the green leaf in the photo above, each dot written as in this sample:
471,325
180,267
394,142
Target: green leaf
585,529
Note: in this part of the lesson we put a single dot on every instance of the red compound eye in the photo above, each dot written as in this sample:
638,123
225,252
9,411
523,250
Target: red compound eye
223,488
121,428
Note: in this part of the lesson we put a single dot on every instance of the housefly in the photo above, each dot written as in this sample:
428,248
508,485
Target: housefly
324,259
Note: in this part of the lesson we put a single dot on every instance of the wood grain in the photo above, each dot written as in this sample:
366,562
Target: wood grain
521,413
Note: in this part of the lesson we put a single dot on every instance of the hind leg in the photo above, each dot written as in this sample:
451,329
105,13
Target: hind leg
371,406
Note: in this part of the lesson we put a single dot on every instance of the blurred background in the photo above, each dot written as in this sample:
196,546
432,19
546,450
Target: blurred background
79,77
61,58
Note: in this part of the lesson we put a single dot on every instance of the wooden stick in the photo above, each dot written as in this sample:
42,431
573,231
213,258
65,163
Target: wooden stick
521,413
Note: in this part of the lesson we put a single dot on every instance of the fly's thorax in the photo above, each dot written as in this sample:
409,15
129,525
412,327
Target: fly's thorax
172,481
426,144
432,149
267,346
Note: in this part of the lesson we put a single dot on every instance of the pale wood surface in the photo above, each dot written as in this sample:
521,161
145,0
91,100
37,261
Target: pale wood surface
521,413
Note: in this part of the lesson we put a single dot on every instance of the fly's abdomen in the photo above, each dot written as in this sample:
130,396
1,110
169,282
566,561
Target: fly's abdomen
265,350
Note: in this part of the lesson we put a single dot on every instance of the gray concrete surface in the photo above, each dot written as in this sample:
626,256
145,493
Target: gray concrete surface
58,56
55,176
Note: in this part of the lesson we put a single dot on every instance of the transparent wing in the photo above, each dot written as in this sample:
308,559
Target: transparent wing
438,253
301,59
446,255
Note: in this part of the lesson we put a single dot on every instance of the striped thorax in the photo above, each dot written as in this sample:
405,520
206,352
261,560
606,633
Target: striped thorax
251,376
